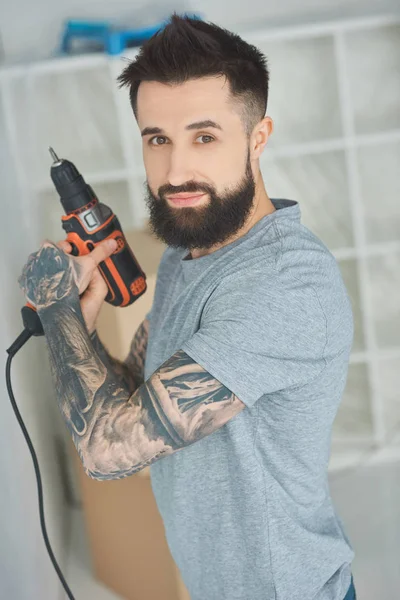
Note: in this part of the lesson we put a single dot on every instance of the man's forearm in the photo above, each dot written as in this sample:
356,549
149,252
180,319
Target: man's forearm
120,369
88,390
106,421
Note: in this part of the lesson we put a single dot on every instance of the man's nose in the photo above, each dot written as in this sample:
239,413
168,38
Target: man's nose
180,170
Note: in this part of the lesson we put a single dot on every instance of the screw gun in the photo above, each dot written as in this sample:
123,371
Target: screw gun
88,222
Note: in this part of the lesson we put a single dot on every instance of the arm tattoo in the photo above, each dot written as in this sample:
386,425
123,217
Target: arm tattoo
86,390
132,369
117,432
137,353
178,405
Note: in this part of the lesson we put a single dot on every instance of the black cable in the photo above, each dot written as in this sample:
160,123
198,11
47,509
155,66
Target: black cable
19,342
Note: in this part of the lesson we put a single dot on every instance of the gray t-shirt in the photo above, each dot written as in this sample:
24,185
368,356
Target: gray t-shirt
247,510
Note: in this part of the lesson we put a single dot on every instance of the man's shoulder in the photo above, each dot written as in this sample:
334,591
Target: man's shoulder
307,263
299,271
295,253
304,256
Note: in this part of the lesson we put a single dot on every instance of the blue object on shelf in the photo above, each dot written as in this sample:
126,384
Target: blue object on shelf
111,38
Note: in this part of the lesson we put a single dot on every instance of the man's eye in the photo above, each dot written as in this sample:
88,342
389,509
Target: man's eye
204,135
157,137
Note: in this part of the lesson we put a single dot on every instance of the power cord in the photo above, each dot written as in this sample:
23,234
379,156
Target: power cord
32,326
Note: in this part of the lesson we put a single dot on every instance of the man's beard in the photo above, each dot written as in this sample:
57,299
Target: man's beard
201,226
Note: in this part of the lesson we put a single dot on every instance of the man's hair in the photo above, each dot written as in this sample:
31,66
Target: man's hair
188,48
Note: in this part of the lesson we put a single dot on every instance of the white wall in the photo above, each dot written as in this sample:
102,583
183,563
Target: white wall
33,28
261,13
25,568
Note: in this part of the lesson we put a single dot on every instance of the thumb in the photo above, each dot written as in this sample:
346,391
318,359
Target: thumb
103,250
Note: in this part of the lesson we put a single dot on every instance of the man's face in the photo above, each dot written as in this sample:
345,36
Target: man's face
210,161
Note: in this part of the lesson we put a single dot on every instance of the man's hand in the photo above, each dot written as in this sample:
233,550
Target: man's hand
93,297
51,274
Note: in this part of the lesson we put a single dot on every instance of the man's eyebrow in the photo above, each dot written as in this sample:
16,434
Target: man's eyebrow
197,125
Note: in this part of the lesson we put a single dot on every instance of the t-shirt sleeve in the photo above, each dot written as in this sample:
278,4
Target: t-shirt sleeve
260,335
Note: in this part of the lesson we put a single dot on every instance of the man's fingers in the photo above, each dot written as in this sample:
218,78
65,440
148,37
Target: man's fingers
103,250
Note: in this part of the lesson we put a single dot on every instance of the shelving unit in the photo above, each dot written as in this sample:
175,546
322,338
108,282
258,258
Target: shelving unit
345,123
334,98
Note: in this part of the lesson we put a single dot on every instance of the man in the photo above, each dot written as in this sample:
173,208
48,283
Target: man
233,381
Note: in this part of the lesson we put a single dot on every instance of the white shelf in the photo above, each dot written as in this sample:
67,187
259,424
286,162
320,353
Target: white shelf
334,97
320,147
376,106
95,178
376,249
382,354
59,64
378,167
355,418
311,30
304,69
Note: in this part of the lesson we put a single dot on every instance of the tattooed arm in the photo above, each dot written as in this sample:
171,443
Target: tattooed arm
116,433
178,405
132,368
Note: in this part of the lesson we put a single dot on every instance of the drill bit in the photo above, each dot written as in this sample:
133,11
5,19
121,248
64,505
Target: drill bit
53,155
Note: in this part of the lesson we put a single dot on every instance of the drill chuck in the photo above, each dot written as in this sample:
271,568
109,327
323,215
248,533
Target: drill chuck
73,190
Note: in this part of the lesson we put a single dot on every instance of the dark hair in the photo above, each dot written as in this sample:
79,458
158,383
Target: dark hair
188,48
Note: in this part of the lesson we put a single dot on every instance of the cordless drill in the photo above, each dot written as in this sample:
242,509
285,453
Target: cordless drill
88,222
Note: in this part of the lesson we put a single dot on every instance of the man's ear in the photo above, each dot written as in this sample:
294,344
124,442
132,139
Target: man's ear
259,137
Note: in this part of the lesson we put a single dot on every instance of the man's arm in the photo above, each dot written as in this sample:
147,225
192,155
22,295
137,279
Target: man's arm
117,433
178,405
132,368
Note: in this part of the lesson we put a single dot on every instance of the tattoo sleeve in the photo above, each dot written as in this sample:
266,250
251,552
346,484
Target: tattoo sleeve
178,405
117,432
132,368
